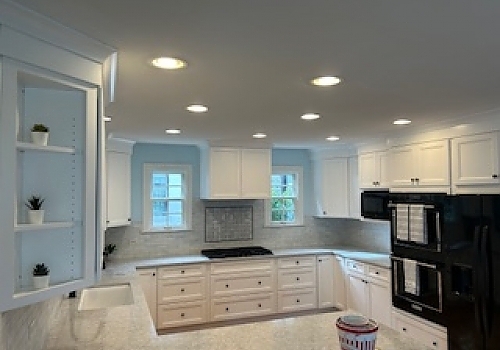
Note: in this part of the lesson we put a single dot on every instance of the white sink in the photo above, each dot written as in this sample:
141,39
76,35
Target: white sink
106,296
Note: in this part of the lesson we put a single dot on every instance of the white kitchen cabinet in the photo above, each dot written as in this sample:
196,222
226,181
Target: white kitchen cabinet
326,280
373,170
297,283
242,289
118,182
340,297
475,163
44,83
147,280
336,188
235,173
369,291
432,335
421,167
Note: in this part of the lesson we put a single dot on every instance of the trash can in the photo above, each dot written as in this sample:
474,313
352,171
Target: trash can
356,332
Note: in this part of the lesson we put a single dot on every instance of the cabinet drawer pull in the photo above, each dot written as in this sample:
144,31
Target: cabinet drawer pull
434,343
154,274
260,305
376,272
404,329
320,260
182,271
298,278
259,283
227,285
298,300
297,262
182,314
494,176
182,290
227,309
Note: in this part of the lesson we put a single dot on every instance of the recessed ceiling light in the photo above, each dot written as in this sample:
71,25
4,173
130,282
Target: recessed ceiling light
197,108
168,63
259,135
325,81
401,122
173,131
310,116
333,138
107,119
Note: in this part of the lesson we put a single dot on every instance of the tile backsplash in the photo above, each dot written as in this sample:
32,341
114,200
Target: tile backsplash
367,235
228,223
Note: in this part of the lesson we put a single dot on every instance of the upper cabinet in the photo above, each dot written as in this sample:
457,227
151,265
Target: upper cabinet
235,173
336,187
373,170
41,83
421,167
475,161
118,182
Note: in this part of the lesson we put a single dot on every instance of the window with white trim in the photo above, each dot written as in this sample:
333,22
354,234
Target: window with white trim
286,203
167,197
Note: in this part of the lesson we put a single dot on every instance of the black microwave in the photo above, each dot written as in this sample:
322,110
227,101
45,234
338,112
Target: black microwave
374,205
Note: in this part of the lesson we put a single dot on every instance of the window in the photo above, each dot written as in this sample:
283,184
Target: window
285,206
167,197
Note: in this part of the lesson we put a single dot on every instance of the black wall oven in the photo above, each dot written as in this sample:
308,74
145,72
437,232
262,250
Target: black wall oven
418,258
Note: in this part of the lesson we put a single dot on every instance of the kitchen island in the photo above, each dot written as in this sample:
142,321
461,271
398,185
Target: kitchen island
130,327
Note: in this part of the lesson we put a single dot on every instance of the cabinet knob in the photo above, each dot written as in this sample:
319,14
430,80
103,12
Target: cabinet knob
227,285
182,271
259,283
376,272
129,219
324,212
374,183
404,329
494,176
298,300
227,309
320,260
107,221
417,179
298,278
297,262
154,274
182,290
260,305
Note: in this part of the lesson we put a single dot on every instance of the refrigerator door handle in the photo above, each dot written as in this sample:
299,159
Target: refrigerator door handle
485,268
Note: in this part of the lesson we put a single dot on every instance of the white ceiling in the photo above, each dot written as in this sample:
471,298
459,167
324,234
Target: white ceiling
250,62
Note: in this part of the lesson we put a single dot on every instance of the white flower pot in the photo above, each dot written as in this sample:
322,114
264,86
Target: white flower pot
41,282
39,138
35,216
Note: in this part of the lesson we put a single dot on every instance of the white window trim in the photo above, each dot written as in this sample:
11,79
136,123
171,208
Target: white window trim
148,168
299,214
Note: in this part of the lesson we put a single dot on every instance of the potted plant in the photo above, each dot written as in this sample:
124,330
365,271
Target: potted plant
35,212
41,276
108,249
39,134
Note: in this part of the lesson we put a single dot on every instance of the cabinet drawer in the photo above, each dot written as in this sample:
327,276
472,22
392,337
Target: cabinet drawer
379,273
226,285
302,299
298,261
241,266
181,314
355,266
432,337
176,290
240,307
176,271
297,278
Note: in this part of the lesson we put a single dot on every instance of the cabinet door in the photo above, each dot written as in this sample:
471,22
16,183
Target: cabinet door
225,173
334,184
339,287
475,159
147,280
357,299
118,169
367,172
402,165
383,169
433,163
255,173
380,302
326,292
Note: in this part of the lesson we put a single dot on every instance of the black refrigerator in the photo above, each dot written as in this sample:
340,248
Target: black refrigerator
471,282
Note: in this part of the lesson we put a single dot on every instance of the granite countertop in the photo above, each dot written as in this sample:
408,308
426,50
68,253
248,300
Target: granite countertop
130,327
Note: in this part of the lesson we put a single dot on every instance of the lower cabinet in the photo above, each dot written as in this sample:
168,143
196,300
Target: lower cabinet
326,283
297,283
339,285
369,291
147,280
432,335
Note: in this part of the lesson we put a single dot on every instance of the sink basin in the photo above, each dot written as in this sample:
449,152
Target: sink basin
106,296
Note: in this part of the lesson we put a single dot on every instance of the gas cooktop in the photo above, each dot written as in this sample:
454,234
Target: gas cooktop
235,252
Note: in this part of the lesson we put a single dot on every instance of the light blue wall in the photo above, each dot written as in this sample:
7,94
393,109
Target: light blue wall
159,153
180,154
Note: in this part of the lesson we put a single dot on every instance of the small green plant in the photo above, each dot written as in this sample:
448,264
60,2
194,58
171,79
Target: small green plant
35,202
109,248
41,270
39,128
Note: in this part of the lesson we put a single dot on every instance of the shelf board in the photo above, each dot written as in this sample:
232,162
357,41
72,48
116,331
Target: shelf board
44,226
28,291
26,146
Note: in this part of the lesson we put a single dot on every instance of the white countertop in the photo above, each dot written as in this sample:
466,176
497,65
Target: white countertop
130,328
